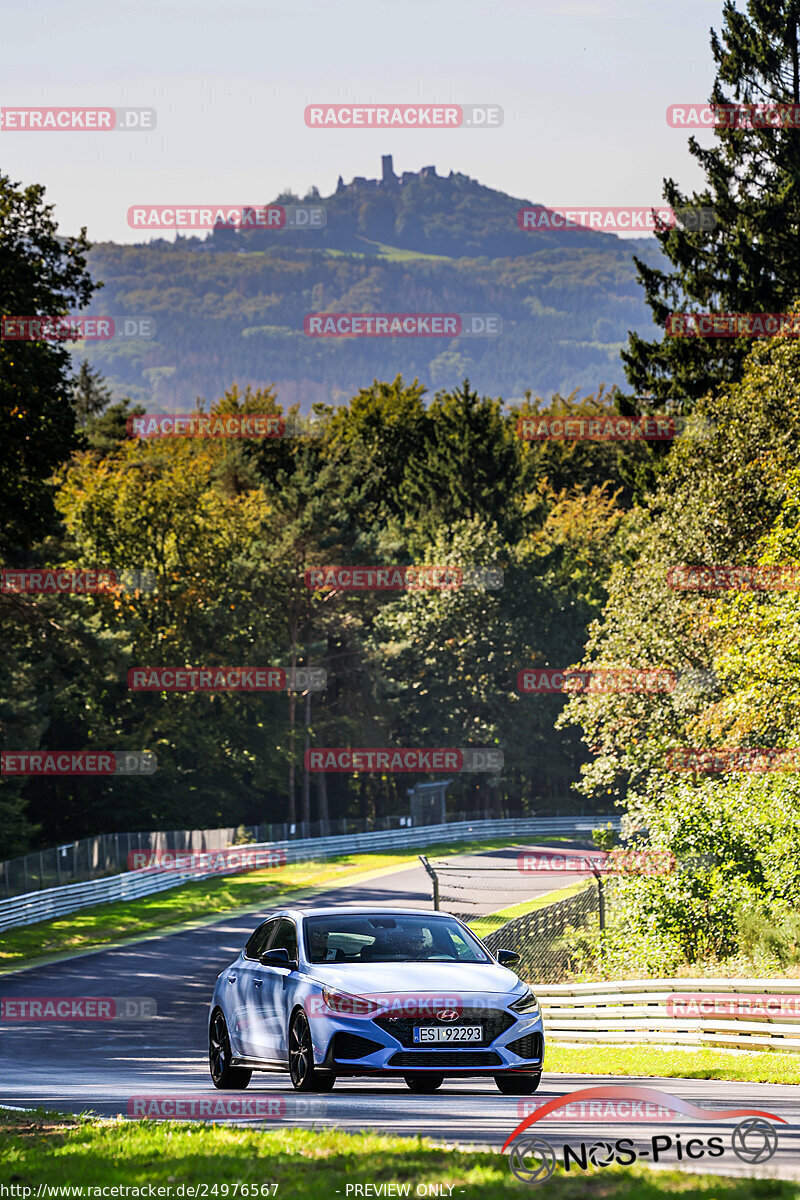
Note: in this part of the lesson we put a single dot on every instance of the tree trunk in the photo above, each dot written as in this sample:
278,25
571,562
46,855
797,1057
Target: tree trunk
322,798
306,809
292,815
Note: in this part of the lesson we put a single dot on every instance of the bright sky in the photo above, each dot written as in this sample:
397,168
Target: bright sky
584,87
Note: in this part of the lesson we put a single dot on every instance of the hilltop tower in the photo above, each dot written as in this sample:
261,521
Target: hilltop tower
388,176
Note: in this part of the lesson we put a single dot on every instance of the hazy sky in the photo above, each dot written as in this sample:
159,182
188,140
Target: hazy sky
584,87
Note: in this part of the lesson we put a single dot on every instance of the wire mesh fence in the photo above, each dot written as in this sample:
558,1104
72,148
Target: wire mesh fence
473,887
538,936
493,896
494,886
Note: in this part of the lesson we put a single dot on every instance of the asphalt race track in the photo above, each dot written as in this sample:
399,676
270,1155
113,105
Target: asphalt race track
100,1066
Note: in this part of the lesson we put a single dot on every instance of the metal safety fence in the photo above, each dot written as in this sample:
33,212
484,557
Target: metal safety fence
741,1014
52,902
109,853
538,936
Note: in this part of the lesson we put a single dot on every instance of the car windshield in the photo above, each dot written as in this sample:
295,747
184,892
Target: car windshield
379,938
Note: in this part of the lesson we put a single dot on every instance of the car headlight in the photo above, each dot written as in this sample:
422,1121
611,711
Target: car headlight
527,1004
349,1006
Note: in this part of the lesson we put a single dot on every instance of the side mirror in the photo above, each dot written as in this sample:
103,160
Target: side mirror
507,957
276,958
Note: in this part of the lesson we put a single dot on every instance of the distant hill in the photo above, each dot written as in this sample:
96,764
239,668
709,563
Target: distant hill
453,216
229,306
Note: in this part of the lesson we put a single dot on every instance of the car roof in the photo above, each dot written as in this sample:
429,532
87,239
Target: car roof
354,910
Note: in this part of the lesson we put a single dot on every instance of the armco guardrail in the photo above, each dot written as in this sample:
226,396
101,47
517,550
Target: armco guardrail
55,902
107,853
744,1014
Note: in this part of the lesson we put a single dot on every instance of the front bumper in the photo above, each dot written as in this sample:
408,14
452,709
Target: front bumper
361,1046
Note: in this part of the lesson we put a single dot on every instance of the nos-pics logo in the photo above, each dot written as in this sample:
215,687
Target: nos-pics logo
533,1159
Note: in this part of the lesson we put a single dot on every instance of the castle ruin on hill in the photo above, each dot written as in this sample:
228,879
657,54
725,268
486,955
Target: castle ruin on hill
388,178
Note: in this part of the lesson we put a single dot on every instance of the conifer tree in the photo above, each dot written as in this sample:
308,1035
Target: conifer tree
749,262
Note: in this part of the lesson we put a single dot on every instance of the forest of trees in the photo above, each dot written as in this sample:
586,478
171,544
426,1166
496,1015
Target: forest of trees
229,528
225,314
584,533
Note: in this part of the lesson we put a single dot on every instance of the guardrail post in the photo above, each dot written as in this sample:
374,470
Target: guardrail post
434,877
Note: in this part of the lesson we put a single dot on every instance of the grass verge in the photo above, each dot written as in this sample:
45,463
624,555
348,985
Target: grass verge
747,1066
49,1148
107,924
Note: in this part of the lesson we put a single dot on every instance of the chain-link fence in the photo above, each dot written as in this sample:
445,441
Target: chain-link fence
537,936
95,857
492,891
472,887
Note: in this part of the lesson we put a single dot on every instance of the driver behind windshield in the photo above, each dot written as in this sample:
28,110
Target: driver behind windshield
318,944
413,942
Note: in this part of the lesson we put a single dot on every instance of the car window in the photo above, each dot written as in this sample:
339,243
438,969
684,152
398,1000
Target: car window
286,938
383,937
260,939
460,943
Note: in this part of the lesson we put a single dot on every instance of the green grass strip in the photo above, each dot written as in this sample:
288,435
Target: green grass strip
41,1149
747,1066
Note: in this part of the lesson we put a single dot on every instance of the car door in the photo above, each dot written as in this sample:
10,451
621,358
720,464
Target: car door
247,1029
274,988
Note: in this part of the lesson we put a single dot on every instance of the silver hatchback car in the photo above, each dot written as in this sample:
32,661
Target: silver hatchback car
362,991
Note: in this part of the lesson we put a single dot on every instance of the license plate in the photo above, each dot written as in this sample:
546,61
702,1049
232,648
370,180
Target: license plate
448,1033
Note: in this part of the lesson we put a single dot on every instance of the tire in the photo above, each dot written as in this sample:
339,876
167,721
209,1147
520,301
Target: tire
518,1085
423,1085
305,1076
223,1075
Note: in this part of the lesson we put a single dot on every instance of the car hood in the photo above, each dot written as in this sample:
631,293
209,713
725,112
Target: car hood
451,982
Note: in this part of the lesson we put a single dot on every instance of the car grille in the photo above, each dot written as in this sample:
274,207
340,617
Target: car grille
529,1046
494,1022
445,1058
350,1045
